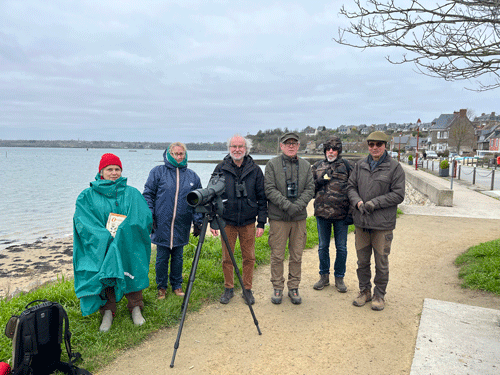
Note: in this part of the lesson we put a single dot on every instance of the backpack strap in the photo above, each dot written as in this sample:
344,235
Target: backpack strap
29,346
68,367
347,165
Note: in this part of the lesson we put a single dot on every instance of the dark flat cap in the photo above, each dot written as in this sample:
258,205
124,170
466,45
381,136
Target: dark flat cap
290,135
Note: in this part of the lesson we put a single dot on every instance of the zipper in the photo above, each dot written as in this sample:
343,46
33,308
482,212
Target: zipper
175,208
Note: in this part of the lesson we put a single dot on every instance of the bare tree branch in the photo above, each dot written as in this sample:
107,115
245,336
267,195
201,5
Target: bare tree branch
454,40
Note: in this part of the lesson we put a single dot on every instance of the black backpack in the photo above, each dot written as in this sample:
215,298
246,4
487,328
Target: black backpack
36,336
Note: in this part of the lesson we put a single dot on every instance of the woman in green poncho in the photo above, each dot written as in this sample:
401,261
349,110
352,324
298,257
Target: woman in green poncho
111,244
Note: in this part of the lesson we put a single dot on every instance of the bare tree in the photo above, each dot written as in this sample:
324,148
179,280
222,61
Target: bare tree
454,40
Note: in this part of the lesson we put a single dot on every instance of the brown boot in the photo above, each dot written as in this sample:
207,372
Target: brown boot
378,303
363,297
161,293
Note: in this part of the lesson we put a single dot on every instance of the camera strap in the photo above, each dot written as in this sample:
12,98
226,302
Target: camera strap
288,180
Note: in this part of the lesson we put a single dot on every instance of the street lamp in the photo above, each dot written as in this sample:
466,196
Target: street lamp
418,133
399,152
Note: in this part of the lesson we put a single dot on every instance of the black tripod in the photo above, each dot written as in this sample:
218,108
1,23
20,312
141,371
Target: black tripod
210,214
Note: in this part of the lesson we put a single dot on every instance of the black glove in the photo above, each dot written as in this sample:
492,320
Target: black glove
370,207
196,230
361,208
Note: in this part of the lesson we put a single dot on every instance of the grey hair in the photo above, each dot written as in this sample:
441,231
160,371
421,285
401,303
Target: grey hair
248,143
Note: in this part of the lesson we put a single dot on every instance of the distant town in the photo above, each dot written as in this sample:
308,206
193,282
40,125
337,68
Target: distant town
458,132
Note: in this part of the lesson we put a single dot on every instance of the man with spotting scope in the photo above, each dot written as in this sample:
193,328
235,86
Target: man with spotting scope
244,201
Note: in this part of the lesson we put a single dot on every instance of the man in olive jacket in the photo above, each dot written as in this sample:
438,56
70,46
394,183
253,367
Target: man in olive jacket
289,187
376,187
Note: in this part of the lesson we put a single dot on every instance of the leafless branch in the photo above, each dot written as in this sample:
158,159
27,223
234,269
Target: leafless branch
454,40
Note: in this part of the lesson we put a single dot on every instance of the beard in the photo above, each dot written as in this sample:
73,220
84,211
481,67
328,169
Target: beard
331,158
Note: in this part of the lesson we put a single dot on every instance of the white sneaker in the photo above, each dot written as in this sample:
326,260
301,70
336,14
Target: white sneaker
107,320
137,317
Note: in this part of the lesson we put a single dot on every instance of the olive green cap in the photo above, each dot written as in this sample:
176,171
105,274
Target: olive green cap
377,136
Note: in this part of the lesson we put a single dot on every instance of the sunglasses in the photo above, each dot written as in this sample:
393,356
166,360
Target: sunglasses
378,144
332,148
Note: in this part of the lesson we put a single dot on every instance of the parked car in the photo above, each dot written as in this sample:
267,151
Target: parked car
431,155
393,154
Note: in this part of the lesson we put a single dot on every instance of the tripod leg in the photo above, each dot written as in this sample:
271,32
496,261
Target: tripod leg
189,288
231,255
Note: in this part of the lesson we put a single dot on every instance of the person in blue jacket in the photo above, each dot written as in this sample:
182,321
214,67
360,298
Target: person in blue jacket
111,244
165,191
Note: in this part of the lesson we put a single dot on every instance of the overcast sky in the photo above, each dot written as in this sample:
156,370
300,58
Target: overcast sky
198,71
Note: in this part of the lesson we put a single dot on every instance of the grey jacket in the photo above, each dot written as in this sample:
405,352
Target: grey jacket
275,184
384,186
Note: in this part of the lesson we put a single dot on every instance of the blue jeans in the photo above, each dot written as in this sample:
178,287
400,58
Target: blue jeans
325,234
163,254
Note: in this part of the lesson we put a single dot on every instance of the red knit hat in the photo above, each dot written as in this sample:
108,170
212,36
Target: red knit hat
109,159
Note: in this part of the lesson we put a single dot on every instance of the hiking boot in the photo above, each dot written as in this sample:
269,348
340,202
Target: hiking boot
137,317
324,280
107,320
249,294
339,284
228,294
294,296
277,296
378,303
161,293
179,292
362,298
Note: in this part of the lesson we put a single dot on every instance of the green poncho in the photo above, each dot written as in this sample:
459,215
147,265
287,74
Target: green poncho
99,260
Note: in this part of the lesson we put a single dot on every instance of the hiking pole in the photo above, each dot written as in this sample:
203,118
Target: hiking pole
221,225
189,288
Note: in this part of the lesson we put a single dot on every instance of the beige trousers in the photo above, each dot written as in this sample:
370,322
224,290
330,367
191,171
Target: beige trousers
281,232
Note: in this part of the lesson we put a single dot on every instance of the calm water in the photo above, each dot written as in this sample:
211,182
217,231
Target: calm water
39,186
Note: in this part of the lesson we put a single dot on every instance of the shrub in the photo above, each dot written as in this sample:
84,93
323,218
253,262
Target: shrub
410,158
444,164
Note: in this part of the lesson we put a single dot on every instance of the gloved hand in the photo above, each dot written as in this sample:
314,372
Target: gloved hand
370,207
361,208
196,230
293,210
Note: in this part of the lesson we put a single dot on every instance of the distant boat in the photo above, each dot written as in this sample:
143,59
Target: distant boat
132,150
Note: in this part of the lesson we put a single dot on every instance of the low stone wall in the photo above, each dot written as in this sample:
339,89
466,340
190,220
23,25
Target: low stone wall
437,193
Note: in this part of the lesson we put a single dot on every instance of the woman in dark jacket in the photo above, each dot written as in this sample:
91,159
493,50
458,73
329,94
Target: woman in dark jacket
165,191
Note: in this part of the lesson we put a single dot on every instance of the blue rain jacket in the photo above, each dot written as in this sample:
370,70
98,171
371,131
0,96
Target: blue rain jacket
99,260
167,187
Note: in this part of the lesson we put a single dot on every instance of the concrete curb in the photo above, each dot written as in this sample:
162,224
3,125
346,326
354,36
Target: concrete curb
457,339
420,180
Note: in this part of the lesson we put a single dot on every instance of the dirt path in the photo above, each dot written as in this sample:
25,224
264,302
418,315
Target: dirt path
326,334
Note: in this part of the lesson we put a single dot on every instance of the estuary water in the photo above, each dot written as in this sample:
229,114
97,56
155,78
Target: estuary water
39,186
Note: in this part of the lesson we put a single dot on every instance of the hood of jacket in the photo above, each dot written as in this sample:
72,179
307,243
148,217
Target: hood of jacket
108,188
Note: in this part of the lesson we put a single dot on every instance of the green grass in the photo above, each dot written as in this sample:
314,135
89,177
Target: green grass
99,349
480,267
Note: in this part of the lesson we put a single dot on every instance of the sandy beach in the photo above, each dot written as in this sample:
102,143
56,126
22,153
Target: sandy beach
25,267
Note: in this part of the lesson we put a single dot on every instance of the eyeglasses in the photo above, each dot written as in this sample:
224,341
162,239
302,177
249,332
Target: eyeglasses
332,148
179,154
291,144
237,146
378,144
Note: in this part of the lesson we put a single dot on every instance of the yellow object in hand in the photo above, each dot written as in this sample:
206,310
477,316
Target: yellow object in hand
325,177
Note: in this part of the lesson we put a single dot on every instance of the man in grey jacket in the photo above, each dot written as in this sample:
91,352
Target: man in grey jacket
289,186
376,187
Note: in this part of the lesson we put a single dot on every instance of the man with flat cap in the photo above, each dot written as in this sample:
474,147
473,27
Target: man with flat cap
376,187
289,186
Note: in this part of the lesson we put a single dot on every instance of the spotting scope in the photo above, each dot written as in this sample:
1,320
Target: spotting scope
214,189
